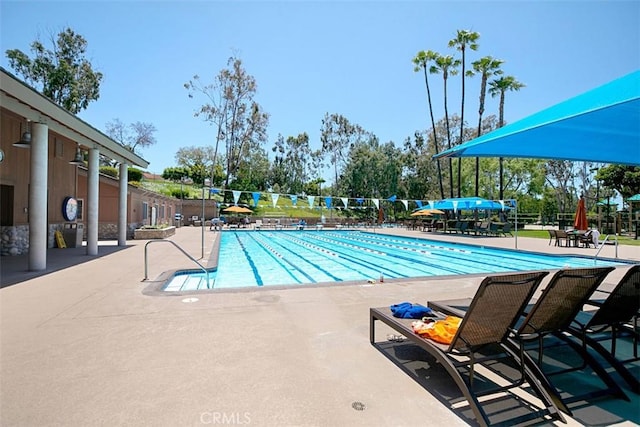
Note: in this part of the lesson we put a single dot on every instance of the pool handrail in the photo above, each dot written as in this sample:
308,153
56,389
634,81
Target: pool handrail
595,257
146,264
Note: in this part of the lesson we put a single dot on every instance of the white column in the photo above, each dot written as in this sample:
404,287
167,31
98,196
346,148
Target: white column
92,202
122,205
38,197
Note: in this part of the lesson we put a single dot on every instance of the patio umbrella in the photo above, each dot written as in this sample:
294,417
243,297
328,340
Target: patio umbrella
427,211
583,128
580,220
237,209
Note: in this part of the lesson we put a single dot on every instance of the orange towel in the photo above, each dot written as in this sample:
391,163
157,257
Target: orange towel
441,331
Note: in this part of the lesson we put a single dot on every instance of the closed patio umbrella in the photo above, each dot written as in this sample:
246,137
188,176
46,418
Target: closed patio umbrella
580,219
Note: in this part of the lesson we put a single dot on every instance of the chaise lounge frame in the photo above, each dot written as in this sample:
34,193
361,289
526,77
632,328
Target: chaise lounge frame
492,314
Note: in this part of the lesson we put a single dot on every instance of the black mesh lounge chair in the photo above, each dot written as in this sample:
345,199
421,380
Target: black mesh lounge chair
493,311
616,315
552,315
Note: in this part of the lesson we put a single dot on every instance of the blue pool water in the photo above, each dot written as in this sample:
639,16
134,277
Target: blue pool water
267,258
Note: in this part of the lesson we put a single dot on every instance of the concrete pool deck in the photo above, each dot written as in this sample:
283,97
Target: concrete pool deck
80,344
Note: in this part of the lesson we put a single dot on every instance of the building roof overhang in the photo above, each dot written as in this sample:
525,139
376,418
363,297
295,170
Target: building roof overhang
21,99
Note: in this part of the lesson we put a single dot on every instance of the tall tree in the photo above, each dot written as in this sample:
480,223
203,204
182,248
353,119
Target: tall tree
337,136
199,161
63,74
446,65
132,136
239,120
422,62
486,67
464,39
294,156
499,87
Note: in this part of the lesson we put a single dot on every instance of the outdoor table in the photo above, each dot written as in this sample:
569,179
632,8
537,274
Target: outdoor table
573,237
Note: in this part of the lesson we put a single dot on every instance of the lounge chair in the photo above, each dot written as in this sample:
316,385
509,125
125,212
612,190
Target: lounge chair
483,228
552,235
492,313
505,229
551,315
615,316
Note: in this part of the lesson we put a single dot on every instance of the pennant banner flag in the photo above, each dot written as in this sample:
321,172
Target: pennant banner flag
236,196
392,198
327,202
345,201
431,204
274,199
455,205
214,190
294,200
502,204
311,199
419,203
256,198
376,202
406,204
360,200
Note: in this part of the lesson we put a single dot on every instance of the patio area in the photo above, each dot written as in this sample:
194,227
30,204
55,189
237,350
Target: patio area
81,344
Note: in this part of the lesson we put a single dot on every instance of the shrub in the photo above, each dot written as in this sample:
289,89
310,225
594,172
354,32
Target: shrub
109,170
134,174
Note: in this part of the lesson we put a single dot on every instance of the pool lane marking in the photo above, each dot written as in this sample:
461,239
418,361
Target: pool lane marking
297,255
411,260
294,265
278,257
256,275
351,260
513,262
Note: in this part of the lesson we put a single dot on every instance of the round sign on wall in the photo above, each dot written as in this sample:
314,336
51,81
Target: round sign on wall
70,209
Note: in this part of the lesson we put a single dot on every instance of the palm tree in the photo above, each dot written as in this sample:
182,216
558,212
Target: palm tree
463,40
499,87
421,62
446,65
486,67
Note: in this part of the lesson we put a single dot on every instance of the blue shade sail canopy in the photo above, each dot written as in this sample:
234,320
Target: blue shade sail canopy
601,125
466,203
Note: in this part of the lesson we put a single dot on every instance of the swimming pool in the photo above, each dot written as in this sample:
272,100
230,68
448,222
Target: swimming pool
268,258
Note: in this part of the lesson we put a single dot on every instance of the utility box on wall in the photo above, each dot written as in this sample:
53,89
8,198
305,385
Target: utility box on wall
73,234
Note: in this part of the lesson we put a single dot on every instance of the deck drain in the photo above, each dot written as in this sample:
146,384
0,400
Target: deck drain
358,406
192,299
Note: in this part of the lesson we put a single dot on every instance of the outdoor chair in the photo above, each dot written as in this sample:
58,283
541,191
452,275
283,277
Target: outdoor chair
483,228
562,236
493,229
616,316
505,229
552,315
481,339
552,235
591,237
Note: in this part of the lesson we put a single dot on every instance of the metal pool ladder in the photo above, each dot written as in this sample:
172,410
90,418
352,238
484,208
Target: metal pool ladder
146,264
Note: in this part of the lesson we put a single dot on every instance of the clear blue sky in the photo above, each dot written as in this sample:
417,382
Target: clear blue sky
310,58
